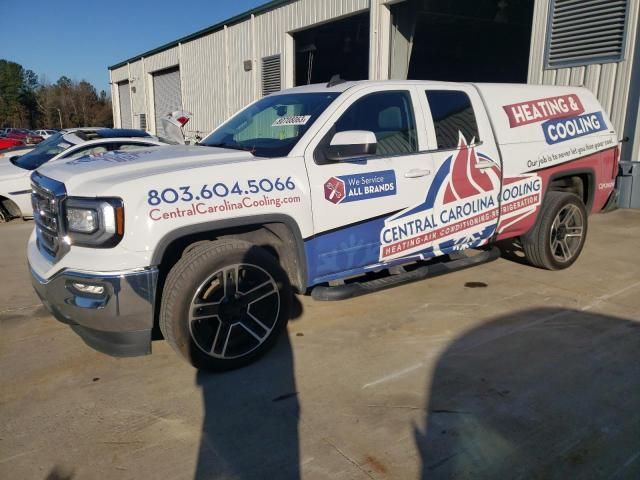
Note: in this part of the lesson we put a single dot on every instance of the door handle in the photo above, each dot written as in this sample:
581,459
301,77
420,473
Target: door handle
417,173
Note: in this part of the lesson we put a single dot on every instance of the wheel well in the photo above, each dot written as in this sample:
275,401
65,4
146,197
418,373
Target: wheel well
277,238
580,184
8,209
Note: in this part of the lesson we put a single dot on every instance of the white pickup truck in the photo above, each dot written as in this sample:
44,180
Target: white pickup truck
337,190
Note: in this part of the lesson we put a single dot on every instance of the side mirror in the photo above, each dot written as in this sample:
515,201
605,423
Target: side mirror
351,144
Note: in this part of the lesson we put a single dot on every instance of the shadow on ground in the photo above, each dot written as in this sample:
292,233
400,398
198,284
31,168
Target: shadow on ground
250,426
511,250
543,393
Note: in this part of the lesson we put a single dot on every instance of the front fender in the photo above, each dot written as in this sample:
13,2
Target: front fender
223,225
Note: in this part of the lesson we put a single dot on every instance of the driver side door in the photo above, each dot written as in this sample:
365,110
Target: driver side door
353,199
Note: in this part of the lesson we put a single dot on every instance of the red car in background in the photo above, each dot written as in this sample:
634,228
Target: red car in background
9,143
26,136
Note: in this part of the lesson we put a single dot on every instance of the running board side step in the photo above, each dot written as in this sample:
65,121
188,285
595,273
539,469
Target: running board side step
355,289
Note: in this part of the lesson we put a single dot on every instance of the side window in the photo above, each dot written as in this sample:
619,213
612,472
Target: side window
387,114
452,113
92,150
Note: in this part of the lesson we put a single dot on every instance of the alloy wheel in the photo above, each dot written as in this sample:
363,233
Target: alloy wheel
234,311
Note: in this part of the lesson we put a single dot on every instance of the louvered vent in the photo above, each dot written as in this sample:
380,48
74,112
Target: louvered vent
143,121
586,31
271,74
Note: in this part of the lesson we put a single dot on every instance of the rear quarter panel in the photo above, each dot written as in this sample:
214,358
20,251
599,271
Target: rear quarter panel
551,132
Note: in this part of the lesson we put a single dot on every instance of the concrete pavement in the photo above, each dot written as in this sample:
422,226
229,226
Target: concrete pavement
500,371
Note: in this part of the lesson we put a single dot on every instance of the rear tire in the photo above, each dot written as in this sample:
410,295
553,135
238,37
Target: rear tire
224,304
558,236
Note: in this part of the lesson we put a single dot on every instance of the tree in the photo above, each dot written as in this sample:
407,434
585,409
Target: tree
12,89
29,102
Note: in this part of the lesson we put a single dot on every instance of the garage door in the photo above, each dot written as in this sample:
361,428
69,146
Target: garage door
125,105
166,94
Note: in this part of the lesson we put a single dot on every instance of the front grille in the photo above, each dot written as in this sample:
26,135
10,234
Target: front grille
45,198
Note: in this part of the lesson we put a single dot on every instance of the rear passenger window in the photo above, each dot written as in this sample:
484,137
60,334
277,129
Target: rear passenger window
387,114
452,113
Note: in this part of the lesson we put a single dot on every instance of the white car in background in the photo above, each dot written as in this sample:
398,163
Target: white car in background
15,172
45,133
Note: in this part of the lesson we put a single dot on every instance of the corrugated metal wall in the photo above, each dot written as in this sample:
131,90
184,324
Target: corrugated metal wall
162,60
240,48
214,81
609,81
271,27
203,80
215,84
136,82
119,74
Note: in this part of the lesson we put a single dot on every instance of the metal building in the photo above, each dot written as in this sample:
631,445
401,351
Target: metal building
216,71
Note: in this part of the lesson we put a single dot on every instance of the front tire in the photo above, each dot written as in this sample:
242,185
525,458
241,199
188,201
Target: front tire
224,304
558,236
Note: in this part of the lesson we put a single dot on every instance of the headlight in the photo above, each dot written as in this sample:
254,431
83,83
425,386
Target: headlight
94,222
82,220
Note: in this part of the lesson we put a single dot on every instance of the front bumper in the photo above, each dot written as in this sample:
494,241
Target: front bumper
118,321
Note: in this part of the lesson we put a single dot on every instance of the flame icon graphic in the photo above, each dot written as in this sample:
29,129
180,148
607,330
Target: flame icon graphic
469,175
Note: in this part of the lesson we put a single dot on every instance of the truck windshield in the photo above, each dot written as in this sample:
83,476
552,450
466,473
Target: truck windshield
272,126
44,152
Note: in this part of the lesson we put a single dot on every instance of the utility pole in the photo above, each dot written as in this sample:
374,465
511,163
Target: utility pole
60,117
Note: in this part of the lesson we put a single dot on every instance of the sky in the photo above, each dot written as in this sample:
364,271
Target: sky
80,39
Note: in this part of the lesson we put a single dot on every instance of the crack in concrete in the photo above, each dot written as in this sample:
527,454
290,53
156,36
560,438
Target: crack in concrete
348,458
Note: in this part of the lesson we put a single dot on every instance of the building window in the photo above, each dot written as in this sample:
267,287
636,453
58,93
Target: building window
452,115
582,32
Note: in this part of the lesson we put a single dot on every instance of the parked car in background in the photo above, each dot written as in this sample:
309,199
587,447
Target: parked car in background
45,133
7,142
26,136
15,187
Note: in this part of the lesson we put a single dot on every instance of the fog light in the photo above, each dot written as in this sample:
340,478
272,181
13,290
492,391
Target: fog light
92,289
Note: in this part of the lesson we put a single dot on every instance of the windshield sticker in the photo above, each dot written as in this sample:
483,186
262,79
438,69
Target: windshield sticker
64,145
364,186
535,111
292,120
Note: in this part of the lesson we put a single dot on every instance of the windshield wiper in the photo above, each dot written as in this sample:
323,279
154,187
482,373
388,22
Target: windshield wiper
231,146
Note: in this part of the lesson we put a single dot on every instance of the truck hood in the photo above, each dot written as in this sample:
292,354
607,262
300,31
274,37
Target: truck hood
90,172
